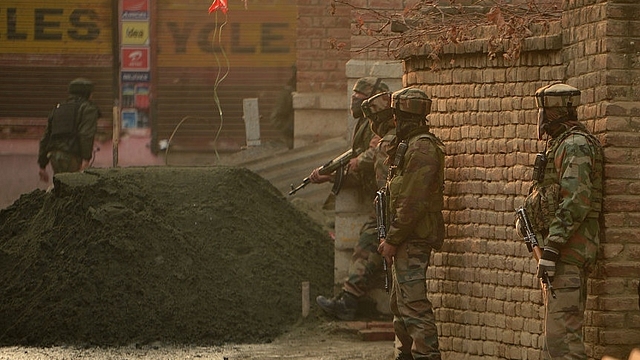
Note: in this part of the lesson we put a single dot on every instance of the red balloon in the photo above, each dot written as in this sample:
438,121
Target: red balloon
219,5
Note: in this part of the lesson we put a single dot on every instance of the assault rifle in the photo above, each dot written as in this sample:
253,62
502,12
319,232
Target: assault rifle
336,164
381,201
532,244
382,220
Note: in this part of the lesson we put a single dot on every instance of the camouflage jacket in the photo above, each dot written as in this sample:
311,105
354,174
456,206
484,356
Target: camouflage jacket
380,164
364,178
416,191
565,204
81,145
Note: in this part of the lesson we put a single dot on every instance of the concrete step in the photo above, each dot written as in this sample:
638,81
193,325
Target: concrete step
370,330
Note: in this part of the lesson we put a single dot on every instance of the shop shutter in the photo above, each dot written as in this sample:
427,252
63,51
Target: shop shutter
193,74
46,45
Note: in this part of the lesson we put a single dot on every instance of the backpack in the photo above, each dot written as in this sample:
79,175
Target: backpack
63,120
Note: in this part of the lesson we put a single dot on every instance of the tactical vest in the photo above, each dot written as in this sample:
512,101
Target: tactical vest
544,195
434,205
431,226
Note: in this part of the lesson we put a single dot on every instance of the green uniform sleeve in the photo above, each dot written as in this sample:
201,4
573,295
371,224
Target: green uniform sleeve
87,128
574,162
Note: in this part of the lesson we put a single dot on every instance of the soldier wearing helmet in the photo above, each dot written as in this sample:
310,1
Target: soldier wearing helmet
361,174
378,110
67,143
564,204
415,191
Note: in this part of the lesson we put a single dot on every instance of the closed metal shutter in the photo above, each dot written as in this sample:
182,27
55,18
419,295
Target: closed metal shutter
202,60
44,45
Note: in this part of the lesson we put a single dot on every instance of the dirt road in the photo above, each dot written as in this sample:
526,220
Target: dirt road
325,342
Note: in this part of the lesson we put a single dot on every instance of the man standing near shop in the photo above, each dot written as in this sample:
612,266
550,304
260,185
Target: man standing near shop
67,143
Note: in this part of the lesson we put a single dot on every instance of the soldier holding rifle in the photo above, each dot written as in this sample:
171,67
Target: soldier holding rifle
416,224
359,173
563,207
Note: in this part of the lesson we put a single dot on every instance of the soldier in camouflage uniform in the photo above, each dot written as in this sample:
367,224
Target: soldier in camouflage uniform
415,191
68,138
564,204
365,261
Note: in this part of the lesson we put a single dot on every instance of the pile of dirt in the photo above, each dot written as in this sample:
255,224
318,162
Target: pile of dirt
191,255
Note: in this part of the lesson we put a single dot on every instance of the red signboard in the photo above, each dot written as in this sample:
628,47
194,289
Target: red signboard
135,58
135,5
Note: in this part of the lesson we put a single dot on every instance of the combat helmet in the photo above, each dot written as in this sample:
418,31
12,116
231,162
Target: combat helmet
370,86
81,87
410,102
556,103
378,110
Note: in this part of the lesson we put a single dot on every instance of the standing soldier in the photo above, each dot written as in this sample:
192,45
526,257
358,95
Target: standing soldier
365,260
67,142
564,204
415,191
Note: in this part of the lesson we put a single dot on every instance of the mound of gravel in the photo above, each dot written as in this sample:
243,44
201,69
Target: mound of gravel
190,255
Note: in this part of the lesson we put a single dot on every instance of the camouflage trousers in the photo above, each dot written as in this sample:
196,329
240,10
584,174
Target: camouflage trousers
62,162
413,322
365,261
565,314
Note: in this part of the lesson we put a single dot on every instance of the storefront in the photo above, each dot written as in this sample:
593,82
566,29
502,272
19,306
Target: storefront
164,69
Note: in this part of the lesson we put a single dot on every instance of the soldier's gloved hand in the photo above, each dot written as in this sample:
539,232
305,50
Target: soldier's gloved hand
547,263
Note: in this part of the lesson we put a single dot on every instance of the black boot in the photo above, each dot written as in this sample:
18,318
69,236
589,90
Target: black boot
343,306
403,356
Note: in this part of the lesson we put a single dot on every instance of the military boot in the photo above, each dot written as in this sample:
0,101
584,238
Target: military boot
343,306
404,356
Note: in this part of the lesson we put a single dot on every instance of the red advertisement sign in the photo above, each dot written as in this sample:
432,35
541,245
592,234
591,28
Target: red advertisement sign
135,5
135,58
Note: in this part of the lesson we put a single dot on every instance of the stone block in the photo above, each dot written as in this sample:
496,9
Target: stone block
348,230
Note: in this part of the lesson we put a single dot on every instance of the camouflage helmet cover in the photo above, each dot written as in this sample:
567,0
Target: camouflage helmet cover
556,103
377,106
411,100
557,95
367,86
81,86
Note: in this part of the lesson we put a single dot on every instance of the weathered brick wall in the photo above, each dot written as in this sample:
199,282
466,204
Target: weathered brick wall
488,303
486,297
321,67
487,300
602,55
327,40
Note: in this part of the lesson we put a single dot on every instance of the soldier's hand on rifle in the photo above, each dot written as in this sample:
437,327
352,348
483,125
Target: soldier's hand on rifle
547,264
388,251
316,178
353,164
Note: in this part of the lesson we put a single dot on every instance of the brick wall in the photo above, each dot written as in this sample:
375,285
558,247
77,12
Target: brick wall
327,40
601,51
488,303
487,300
321,67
